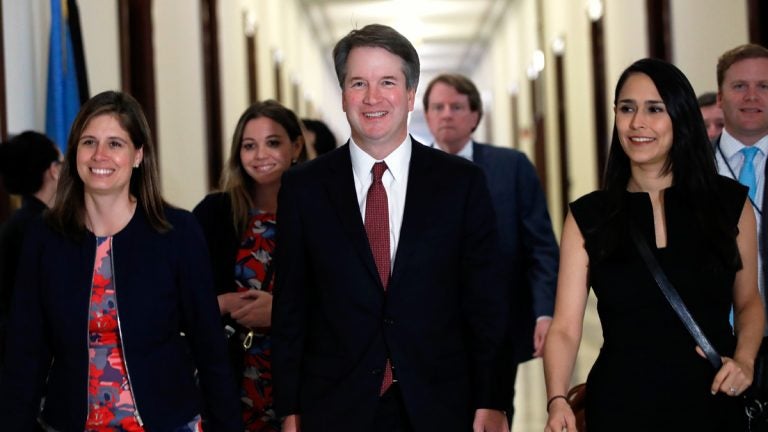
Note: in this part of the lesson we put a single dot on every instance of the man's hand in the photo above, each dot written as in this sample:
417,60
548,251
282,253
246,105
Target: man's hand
490,420
540,335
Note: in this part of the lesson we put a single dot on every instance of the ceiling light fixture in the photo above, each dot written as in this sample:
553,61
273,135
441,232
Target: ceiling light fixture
558,45
595,9
249,23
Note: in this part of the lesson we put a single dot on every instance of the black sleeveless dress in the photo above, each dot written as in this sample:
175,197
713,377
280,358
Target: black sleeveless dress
648,376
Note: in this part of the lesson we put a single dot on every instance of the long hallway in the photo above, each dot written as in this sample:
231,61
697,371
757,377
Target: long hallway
533,61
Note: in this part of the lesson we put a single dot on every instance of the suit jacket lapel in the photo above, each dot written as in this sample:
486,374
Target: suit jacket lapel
763,229
341,192
417,204
478,154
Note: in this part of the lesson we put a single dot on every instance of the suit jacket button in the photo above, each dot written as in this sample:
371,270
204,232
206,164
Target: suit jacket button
376,372
389,321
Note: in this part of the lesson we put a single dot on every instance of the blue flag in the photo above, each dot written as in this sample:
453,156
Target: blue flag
66,70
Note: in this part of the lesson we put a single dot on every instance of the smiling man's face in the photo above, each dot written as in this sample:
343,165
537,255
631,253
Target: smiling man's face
743,97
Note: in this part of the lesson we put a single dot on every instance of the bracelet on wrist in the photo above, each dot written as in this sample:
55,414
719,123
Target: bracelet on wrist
553,398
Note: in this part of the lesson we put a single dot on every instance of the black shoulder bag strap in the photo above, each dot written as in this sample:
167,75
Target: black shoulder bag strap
674,298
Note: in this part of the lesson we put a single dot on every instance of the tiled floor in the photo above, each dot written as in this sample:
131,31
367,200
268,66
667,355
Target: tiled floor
530,395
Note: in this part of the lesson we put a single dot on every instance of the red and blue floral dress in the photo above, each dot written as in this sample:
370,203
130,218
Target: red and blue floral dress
111,406
253,270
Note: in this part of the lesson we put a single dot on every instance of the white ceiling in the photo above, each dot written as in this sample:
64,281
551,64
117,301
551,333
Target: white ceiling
450,35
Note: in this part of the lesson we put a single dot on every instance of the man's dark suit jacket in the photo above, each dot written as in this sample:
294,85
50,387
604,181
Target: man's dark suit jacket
442,320
762,230
529,251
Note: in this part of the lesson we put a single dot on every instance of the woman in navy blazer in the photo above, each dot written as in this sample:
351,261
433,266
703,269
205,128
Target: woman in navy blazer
114,302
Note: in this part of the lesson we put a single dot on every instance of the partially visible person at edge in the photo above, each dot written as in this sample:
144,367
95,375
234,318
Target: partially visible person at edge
388,312
114,301
742,81
529,252
29,167
240,226
660,180
319,138
713,115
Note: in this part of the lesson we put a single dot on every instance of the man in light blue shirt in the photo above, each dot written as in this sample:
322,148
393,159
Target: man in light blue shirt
742,79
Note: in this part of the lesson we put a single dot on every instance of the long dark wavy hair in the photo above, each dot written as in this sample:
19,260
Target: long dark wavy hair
691,161
68,213
235,180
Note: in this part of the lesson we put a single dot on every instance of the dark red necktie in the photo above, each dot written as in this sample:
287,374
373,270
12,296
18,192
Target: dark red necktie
377,229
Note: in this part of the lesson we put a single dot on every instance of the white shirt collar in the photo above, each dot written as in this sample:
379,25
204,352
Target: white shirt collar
397,161
467,152
730,145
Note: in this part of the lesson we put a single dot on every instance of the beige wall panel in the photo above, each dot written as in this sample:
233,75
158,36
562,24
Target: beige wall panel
293,80
579,103
274,45
265,18
495,69
101,43
26,27
232,67
525,23
626,41
569,20
626,37
497,108
702,30
319,83
180,99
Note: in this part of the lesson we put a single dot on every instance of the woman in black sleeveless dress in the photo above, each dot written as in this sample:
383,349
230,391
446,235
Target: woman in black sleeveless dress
661,178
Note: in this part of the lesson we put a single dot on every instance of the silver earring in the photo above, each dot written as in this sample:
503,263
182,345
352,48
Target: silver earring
136,165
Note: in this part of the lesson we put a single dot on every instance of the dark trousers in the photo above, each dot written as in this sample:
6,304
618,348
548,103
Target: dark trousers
757,395
390,413
512,376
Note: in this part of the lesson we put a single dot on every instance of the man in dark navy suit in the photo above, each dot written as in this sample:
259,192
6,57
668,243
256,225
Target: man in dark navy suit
529,252
741,148
389,314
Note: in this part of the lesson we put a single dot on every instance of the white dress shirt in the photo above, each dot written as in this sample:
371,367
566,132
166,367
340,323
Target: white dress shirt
395,180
